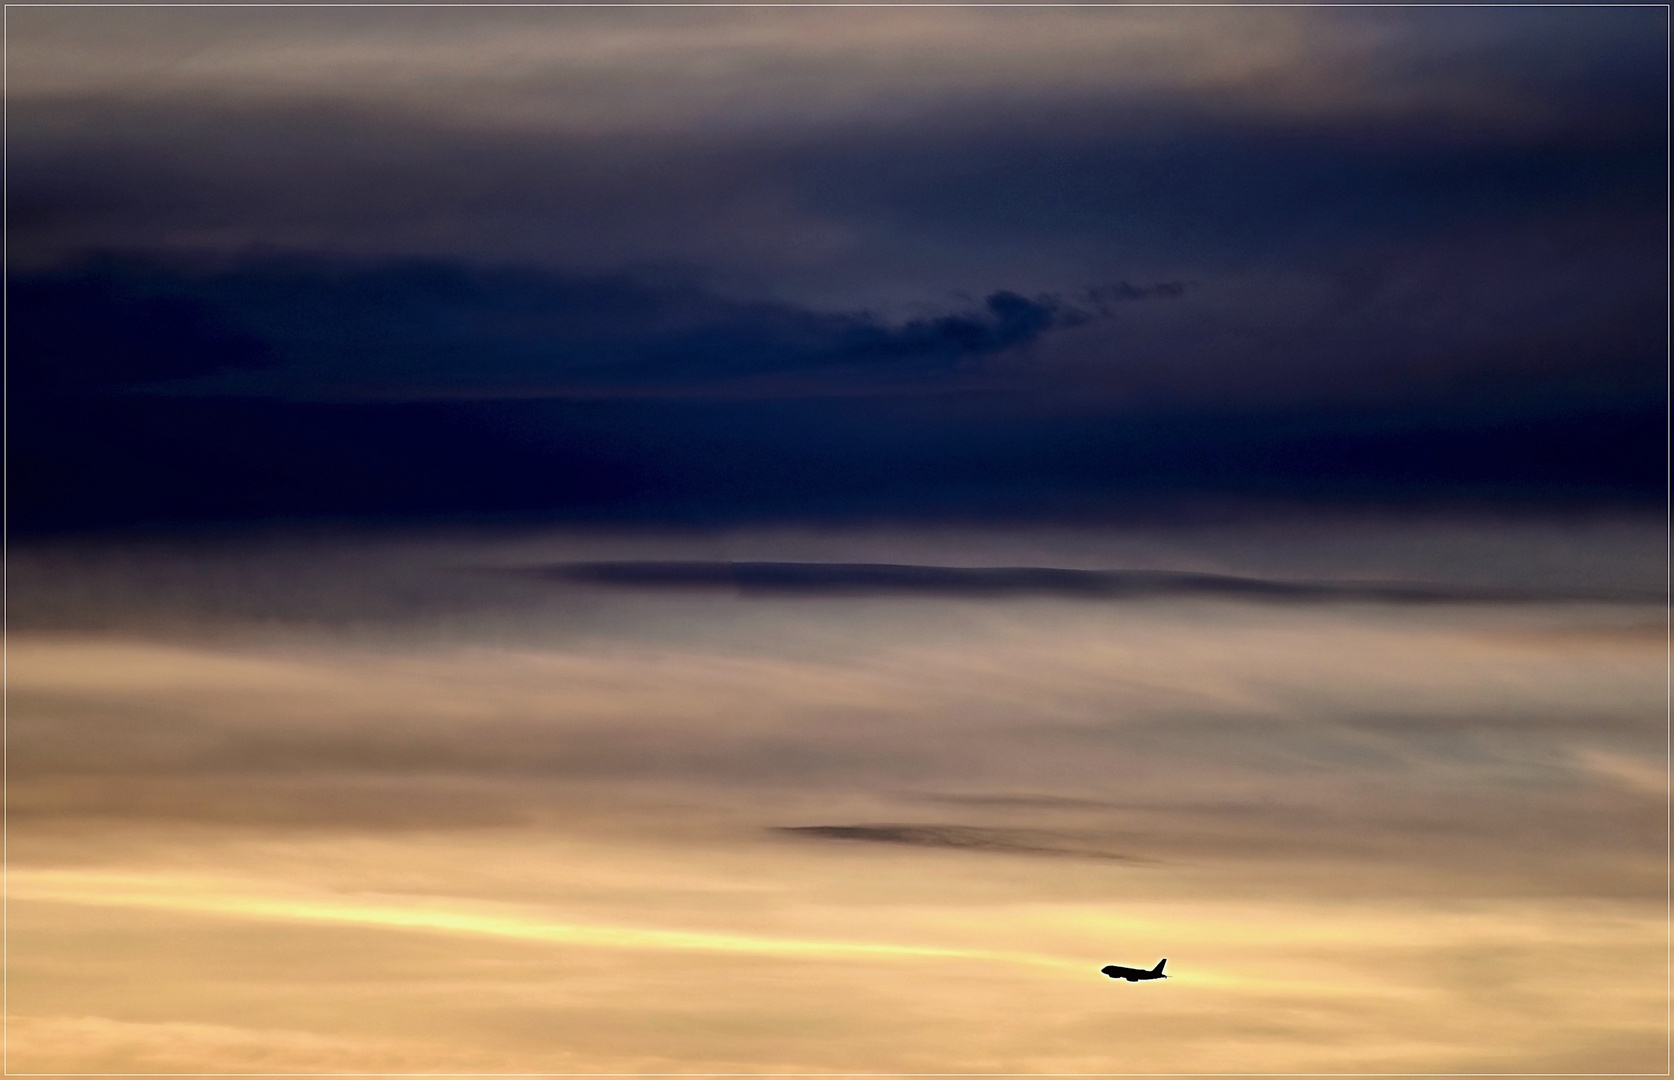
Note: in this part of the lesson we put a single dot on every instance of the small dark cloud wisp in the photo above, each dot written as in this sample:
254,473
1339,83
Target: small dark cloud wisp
964,838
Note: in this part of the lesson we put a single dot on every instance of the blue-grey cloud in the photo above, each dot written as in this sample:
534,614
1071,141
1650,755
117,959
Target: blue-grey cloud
945,445
1073,194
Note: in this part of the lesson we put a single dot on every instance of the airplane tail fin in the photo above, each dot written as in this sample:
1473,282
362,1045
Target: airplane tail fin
1158,969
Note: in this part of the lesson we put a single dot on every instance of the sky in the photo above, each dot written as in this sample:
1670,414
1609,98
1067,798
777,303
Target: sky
784,539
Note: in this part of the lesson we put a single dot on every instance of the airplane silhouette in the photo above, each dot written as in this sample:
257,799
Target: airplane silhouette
1117,971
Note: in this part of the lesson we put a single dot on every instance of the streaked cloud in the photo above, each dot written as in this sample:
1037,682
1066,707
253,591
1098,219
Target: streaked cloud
211,897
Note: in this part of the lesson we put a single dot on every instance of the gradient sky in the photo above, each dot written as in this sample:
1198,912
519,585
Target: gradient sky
782,540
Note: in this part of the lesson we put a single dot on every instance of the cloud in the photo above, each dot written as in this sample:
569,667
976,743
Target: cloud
859,579
81,333
84,1042
577,70
1632,772
1165,705
749,315
191,390
789,171
891,213
548,822
301,328
200,390
261,901
965,838
91,462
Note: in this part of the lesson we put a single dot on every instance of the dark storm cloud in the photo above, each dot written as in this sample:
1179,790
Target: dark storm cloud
306,328
1364,256
869,579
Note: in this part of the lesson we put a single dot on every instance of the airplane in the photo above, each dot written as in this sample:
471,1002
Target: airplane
1116,971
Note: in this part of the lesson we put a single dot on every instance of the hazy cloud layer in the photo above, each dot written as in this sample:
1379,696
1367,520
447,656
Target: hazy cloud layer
409,814
479,689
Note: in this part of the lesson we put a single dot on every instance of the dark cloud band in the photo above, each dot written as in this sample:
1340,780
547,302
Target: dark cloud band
861,579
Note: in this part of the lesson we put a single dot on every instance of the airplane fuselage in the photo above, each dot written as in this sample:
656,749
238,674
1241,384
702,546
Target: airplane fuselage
1117,971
